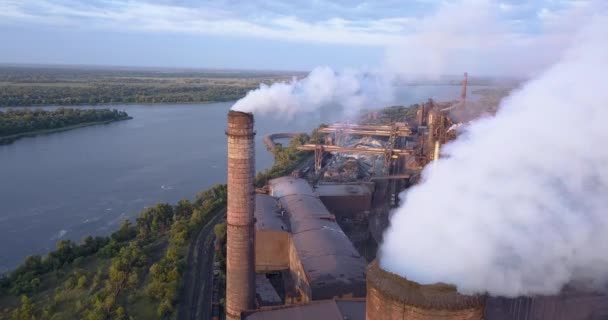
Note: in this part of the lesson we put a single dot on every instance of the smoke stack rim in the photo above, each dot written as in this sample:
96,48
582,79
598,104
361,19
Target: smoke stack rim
432,296
248,116
240,124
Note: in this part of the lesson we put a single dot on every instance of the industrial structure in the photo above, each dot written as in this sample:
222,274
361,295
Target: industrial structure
303,247
300,237
390,296
240,275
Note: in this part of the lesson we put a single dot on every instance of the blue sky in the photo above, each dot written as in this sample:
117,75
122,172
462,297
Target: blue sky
285,35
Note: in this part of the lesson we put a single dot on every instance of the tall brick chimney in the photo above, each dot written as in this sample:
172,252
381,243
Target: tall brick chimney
240,276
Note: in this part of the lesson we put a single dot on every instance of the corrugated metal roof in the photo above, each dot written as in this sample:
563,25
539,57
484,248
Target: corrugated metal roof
304,207
267,214
289,185
327,240
332,264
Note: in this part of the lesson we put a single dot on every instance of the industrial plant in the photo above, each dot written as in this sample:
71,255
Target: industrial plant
304,247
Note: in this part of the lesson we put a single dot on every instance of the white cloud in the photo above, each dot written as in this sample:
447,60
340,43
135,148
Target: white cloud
545,13
475,34
505,7
143,16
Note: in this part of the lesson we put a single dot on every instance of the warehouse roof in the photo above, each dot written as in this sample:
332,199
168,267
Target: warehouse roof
289,185
268,215
333,266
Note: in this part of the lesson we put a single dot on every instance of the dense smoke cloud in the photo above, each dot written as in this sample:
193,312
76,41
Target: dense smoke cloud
349,90
518,205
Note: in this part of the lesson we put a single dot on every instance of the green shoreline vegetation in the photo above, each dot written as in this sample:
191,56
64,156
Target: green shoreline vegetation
24,86
19,123
134,273
65,86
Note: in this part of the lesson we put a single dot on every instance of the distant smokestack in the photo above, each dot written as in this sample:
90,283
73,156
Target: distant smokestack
463,94
240,277
390,296
436,151
420,115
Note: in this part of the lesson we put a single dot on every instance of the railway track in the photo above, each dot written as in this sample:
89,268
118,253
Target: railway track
195,300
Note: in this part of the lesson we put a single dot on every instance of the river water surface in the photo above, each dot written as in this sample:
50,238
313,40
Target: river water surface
85,181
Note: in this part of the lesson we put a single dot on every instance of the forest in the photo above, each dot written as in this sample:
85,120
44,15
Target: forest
15,122
42,86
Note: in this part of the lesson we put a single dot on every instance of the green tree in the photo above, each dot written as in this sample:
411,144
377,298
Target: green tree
165,308
220,230
82,282
26,312
126,232
69,283
128,261
120,313
197,217
183,209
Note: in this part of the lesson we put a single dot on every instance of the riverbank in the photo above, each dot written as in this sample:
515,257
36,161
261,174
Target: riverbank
94,178
112,104
167,255
12,138
34,86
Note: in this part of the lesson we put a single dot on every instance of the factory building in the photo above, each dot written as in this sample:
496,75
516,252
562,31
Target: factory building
296,233
389,296
291,235
272,236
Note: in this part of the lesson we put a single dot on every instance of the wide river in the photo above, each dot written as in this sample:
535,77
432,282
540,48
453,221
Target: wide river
82,182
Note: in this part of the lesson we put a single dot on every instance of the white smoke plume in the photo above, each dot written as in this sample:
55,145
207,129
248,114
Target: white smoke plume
459,36
480,36
349,90
518,205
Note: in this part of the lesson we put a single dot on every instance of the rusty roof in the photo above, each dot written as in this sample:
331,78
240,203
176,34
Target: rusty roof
289,185
332,264
304,207
268,215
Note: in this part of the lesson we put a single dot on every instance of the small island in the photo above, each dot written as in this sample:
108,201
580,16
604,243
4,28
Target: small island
19,123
